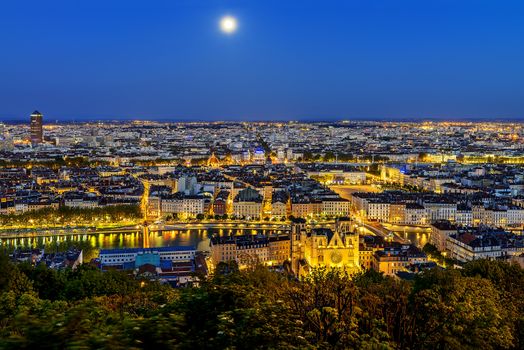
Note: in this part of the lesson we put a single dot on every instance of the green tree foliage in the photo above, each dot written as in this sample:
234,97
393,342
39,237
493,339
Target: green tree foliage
67,216
477,307
57,163
508,279
308,156
452,311
329,156
326,301
434,253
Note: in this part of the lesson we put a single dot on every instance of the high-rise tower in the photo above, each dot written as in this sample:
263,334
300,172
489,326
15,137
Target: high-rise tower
37,134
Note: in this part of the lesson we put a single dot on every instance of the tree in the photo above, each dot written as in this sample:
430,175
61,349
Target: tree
326,302
509,281
308,156
47,283
225,268
479,306
456,312
12,279
422,156
329,156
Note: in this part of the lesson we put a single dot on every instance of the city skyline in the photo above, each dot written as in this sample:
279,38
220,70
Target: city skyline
313,61
22,119
245,174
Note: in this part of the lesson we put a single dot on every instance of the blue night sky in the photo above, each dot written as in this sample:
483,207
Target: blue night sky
367,59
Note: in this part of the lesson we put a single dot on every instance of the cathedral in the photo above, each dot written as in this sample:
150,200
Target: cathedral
335,246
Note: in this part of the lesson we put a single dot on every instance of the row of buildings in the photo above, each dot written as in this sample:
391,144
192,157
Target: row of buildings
464,243
255,142
399,207
178,266
246,192
306,247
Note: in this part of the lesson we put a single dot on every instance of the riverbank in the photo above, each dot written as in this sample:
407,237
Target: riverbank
137,227
69,217
32,231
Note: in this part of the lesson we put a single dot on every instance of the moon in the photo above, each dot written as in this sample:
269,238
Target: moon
228,24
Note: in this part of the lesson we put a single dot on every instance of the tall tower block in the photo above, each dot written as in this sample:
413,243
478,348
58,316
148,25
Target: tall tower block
37,134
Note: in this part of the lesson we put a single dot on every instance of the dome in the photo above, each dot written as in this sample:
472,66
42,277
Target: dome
213,161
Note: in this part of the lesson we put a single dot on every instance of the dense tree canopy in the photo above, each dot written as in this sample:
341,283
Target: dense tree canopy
479,307
73,216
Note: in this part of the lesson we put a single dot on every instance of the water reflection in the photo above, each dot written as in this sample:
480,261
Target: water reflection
198,238
418,238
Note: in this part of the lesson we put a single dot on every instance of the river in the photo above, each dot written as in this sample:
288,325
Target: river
418,236
198,238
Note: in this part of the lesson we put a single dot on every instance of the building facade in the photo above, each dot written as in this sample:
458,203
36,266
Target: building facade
336,247
36,126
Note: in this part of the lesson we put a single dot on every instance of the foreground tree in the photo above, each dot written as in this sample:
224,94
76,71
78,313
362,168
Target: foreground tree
477,307
455,312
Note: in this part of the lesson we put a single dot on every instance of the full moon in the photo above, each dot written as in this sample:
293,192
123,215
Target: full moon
228,24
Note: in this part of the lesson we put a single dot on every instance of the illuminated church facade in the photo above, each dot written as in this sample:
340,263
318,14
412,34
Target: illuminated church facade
335,246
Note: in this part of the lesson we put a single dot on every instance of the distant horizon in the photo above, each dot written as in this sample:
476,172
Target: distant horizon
50,120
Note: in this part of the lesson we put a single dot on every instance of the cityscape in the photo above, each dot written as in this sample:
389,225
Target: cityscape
262,175
174,202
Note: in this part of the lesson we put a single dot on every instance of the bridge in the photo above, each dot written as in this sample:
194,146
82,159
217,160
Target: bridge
385,233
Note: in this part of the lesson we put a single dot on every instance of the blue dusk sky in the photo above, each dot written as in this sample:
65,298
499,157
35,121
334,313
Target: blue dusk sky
288,60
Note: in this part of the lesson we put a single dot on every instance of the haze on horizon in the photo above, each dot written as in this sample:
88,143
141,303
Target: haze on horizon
297,60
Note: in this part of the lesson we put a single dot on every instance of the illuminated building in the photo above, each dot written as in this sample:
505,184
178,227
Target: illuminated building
84,200
378,210
249,250
301,207
335,176
483,243
440,231
391,260
7,206
335,207
248,204
367,248
366,257
279,204
222,203
335,247
169,264
213,161
397,213
184,206
259,156
121,257
392,174
415,214
37,134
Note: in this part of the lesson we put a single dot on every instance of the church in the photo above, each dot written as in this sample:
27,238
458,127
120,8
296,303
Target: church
335,246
